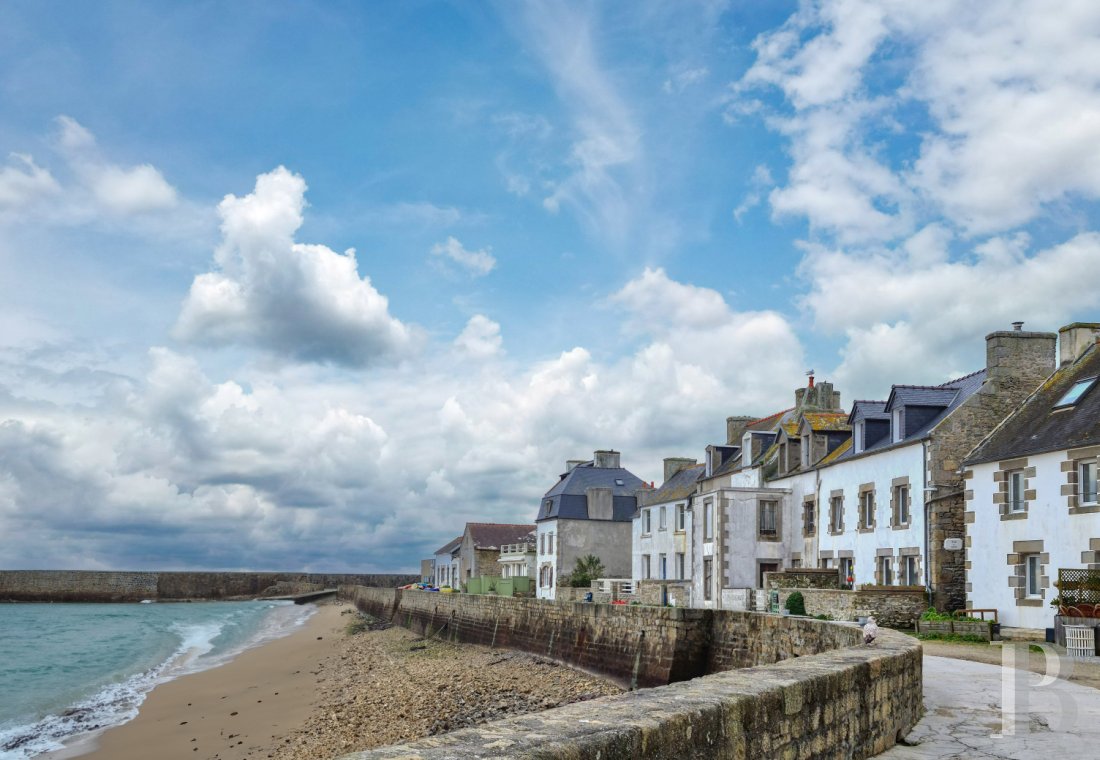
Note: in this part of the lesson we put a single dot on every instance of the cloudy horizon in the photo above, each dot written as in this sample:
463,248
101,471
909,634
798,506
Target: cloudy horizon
309,287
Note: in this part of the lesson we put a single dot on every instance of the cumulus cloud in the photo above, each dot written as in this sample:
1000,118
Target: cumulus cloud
23,181
480,338
477,263
306,302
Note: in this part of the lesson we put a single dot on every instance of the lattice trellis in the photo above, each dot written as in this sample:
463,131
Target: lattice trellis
1079,591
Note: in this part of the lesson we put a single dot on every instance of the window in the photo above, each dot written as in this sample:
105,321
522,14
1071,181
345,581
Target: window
680,566
662,566
708,578
847,570
901,500
550,543
896,423
1032,573
681,516
1074,394
647,521
886,571
663,523
1015,480
708,520
644,572
767,518
867,509
910,576
857,436
1086,482
796,563
836,514
542,544
808,514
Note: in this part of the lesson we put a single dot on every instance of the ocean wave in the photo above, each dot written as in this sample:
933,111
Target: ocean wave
115,704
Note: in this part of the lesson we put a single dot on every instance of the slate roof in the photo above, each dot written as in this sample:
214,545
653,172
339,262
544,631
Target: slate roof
568,499
495,535
868,410
678,487
1037,426
821,422
450,546
836,453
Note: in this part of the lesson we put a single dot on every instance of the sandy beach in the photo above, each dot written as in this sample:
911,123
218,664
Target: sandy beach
238,710
322,692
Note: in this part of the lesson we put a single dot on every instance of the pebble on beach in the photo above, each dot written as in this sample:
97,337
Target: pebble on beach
388,686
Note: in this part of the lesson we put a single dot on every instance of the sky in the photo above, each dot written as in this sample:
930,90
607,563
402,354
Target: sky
307,286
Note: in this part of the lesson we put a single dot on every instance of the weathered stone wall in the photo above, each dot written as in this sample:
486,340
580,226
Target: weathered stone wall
123,586
892,607
678,592
822,696
803,578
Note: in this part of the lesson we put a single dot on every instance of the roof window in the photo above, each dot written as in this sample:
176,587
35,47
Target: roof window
1074,394
619,482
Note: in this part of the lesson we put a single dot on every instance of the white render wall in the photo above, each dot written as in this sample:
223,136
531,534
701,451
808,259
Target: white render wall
669,541
881,469
1065,537
548,557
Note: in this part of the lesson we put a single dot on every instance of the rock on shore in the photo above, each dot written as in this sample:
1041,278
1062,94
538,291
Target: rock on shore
381,687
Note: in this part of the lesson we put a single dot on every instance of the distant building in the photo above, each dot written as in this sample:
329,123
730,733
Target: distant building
519,558
661,543
447,564
479,550
427,570
588,511
1031,491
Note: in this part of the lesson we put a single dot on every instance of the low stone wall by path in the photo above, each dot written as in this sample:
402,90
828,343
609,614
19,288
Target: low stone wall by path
124,586
892,606
803,577
808,689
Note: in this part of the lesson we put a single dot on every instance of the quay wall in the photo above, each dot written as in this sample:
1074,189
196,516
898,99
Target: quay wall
127,586
739,684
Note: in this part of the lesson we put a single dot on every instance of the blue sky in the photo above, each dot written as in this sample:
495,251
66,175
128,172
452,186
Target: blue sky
575,226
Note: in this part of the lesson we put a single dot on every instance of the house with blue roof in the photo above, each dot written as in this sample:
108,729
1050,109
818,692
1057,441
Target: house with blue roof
661,536
589,511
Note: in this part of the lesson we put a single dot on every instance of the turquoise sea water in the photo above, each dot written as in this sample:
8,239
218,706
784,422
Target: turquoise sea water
67,669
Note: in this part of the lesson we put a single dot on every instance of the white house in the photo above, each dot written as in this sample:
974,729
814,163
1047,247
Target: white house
1031,498
588,511
662,524
519,558
448,564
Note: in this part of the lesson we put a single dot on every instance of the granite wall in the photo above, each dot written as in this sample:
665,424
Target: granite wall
891,606
811,690
123,586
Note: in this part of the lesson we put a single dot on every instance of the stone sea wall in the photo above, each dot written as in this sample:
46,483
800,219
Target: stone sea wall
892,606
772,686
124,586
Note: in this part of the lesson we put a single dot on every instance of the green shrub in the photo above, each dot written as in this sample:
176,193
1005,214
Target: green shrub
795,604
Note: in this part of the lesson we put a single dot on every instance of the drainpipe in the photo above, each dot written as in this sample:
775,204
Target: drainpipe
927,520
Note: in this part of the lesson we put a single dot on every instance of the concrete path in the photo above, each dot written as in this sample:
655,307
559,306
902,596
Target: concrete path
963,717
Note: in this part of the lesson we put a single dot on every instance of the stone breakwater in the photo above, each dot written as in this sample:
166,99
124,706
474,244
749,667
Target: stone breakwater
125,586
774,686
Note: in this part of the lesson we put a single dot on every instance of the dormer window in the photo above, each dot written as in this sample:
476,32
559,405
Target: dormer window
746,450
857,435
897,423
1074,394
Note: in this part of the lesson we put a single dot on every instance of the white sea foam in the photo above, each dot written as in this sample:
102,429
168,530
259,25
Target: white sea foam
118,703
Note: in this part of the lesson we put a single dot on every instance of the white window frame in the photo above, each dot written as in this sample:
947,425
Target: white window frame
886,570
1033,574
708,520
836,513
897,420
662,566
645,567
909,572
766,506
647,521
1015,491
681,570
847,567
867,508
662,519
901,499
1085,468
857,436
681,517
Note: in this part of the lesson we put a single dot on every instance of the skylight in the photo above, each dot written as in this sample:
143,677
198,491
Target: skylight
619,482
1074,394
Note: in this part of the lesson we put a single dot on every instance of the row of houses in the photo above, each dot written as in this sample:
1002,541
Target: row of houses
977,490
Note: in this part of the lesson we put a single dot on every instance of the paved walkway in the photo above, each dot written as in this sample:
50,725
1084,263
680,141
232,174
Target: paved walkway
962,702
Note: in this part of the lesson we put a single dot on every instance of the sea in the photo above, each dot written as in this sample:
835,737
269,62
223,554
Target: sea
69,670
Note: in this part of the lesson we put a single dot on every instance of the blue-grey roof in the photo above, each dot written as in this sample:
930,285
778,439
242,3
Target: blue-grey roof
568,498
680,486
868,410
954,391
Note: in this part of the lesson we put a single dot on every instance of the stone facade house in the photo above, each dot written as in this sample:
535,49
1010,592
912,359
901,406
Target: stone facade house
448,564
480,547
661,546
589,510
1031,490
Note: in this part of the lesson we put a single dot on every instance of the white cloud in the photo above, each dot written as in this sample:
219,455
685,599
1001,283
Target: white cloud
480,338
760,182
477,263
306,302
24,181
683,78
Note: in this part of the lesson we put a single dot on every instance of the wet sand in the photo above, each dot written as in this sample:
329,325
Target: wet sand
239,710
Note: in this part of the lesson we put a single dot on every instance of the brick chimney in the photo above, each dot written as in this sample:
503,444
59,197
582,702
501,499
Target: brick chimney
606,459
1019,357
674,464
1074,339
735,428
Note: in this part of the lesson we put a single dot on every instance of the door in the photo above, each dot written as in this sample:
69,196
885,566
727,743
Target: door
765,567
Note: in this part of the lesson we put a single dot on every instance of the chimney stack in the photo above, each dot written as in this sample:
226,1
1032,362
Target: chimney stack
735,428
571,463
1015,356
674,464
606,459
1074,339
